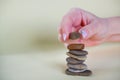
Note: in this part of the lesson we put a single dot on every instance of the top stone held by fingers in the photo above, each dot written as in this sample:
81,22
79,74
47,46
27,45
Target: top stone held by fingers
74,35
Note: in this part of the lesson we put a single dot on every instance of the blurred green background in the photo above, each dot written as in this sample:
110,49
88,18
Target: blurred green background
29,46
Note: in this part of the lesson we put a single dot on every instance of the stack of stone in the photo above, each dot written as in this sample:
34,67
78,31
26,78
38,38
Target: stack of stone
75,61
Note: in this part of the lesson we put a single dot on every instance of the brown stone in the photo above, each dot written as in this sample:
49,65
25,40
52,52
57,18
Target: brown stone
75,46
74,35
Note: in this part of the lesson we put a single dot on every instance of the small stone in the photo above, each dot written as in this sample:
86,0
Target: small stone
75,46
74,61
77,66
76,70
84,73
74,35
78,52
77,57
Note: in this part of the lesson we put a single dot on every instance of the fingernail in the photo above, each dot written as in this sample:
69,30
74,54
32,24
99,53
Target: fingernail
64,36
84,33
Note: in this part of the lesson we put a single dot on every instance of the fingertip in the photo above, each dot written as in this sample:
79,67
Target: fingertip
84,33
88,31
65,36
60,38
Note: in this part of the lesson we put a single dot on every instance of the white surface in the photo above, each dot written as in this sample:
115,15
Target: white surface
103,60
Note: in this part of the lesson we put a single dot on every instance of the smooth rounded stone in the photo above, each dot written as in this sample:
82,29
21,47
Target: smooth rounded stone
76,70
74,35
77,57
84,73
77,66
78,52
75,46
74,61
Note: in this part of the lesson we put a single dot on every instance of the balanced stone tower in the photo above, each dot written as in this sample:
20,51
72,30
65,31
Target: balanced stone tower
77,57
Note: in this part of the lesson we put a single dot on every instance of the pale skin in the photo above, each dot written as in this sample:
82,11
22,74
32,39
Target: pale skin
94,30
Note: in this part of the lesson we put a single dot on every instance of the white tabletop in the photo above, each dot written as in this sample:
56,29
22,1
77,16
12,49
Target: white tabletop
103,60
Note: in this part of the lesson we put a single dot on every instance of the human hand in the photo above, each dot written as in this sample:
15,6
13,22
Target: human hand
94,30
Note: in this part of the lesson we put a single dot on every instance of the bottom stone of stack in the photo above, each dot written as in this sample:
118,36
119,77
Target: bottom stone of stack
81,73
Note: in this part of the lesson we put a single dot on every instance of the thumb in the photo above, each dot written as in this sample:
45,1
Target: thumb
88,31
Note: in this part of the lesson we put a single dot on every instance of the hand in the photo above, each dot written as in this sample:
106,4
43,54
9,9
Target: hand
94,30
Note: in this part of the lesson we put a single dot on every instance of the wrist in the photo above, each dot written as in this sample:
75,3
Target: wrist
113,29
113,25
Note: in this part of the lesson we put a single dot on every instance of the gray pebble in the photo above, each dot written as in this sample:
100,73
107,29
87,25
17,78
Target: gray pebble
77,66
74,61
